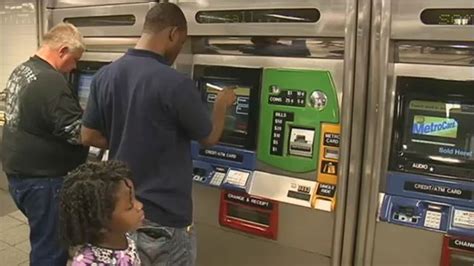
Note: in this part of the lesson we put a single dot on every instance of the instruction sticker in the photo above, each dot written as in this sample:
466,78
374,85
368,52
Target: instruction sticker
464,219
328,167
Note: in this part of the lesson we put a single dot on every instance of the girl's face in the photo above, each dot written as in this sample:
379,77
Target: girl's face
128,213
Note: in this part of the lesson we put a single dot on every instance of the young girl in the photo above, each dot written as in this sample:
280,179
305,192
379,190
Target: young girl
97,209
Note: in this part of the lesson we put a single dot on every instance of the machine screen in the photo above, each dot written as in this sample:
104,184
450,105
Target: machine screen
83,88
434,127
448,16
248,214
440,131
237,118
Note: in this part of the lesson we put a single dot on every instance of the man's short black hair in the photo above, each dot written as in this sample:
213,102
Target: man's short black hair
164,15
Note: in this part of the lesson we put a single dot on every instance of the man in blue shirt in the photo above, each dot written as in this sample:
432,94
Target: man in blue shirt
148,114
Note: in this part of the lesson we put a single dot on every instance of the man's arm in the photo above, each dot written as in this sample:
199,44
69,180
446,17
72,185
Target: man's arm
224,99
193,116
92,137
63,111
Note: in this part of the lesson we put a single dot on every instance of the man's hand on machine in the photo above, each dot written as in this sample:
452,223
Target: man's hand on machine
226,97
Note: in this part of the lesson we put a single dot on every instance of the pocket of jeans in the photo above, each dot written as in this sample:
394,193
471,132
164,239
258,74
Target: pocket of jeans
57,190
157,232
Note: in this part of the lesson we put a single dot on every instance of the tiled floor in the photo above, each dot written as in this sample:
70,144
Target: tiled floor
14,232
6,203
14,244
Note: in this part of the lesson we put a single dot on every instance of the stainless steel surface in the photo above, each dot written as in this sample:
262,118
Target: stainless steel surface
276,187
100,57
331,23
332,65
79,3
434,71
393,21
346,128
109,45
237,249
284,46
138,10
406,23
397,245
39,20
376,131
184,61
47,20
353,121
461,54
315,241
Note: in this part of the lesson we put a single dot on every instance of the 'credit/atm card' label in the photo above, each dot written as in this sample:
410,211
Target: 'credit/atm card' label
438,190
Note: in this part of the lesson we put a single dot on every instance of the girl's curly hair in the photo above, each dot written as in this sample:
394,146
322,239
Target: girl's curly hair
87,200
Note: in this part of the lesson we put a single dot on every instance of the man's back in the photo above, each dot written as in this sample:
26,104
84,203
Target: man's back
41,138
149,113
42,114
146,114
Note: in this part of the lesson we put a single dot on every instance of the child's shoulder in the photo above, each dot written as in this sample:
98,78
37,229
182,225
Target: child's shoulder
94,255
84,256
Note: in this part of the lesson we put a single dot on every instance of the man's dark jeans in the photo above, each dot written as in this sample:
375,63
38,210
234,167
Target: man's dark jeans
38,200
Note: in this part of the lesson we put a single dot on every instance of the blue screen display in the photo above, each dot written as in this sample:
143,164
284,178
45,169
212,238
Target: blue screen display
83,88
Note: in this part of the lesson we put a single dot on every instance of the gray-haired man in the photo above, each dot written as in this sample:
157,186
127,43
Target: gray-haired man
41,137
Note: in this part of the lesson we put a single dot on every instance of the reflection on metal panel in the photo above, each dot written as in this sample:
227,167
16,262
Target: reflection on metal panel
97,22
270,46
461,54
434,71
330,23
102,21
78,3
288,15
407,23
109,45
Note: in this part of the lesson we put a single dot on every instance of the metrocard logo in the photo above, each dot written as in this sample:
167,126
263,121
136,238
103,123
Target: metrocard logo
435,126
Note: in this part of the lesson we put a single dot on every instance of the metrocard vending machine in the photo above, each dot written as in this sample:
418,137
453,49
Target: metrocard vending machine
81,79
419,146
275,172
283,123
431,172
229,164
109,28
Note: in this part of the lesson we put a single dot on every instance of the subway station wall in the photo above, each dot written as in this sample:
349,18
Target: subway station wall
18,35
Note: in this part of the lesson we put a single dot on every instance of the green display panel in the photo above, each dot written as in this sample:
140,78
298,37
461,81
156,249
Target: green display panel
293,105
